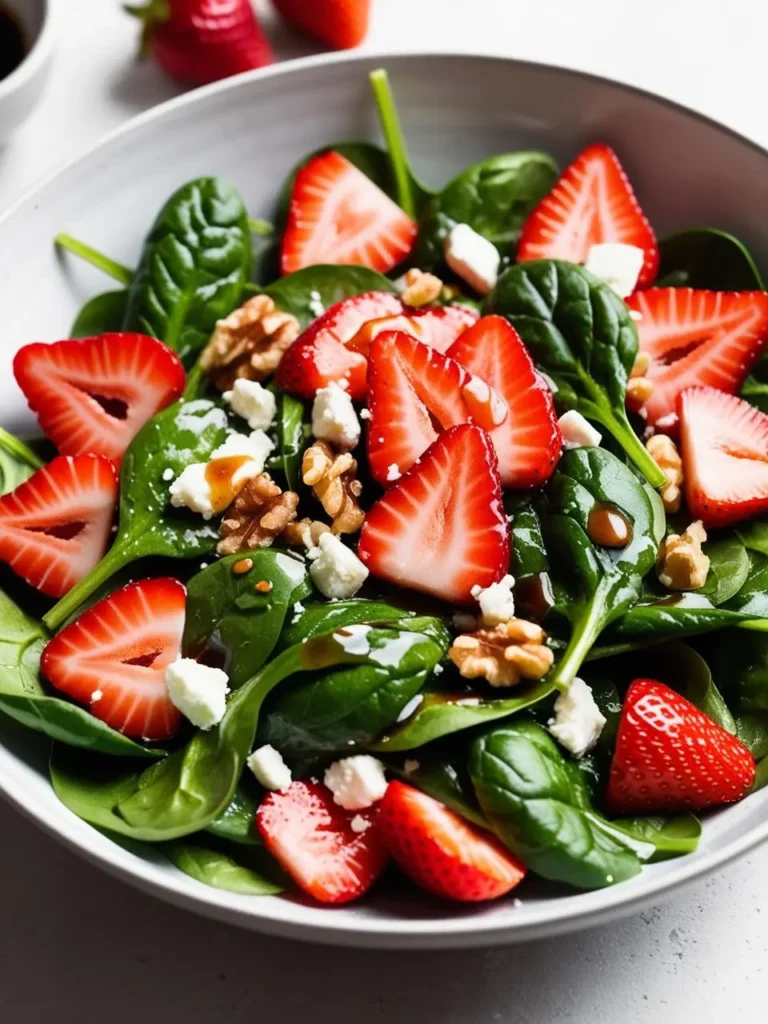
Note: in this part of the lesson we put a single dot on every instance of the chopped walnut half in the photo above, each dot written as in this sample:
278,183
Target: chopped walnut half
332,479
306,532
512,651
421,288
682,565
664,453
249,343
259,513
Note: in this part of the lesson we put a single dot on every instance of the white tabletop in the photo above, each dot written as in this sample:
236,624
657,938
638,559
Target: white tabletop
76,945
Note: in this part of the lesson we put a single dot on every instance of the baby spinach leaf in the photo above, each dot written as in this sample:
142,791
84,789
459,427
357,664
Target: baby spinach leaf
707,258
729,567
752,598
183,433
218,869
676,615
442,714
581,335
761,775
672,837
683,669
307,293
538,804
195,263
100,314
350,706
23,696
14,469
322,617
739,663
291,430
442,773
493,196
224,607
593,585
237,822
91,786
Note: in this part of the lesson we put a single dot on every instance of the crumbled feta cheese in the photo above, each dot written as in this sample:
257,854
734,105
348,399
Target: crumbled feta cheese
96,696
411,765
393,472
198,691
168,474
334,418
192,490
438,669
270,769
356,782
365,414
578,432
253,402
464,622
577,722
255,447
496,601
617,264
336,570
472,257
359,824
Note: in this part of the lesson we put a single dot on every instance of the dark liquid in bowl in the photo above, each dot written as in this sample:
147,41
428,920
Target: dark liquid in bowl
12,44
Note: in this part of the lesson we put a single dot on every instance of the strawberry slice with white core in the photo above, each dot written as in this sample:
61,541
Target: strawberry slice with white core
415,392
437,326
114,656
694,337
441,852
591,203
55,526
724,443
528,442
94,394
332,854
441,528
338,215
319,355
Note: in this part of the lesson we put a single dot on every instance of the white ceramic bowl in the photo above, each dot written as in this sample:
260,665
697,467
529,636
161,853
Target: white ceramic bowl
21,90
456,109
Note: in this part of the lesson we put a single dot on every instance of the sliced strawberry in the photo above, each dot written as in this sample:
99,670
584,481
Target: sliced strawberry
319,356
414,392
591,203
442,528
672,757
528,442
724,444
315,842
697,337
338,215
443,853
114,656
95,394
55,526
437,326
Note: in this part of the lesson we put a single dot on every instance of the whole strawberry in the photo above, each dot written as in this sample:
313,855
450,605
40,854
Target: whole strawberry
341,24
201,41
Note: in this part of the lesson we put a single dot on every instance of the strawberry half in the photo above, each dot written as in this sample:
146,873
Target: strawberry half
95,394
314,841
724,443
55,526
319,355
441,528
114,656
529,441
437,326
414,392
443,853
338,215
592,202
341,24
672,757
697,337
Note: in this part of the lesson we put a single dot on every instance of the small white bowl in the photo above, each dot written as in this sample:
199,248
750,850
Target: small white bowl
21,90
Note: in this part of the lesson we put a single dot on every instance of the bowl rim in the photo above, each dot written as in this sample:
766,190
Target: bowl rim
401,932
34,62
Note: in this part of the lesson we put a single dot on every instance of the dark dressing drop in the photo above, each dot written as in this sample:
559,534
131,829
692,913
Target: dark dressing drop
608,528
12,43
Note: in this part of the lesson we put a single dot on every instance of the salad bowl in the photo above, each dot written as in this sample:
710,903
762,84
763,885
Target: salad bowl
455,110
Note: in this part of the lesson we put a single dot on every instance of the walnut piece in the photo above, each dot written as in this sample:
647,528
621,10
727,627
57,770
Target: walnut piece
249,343
682,565
306,532
421,288
332,479
512,651
639,390
664,453
258,515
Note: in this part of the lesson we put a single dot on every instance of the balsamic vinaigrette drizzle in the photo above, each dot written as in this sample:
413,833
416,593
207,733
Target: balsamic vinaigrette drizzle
12,43
608,527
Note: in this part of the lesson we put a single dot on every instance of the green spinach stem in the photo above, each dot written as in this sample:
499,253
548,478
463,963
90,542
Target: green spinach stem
585,633
393,137
195,383
19,449
114,560
636,451
124,275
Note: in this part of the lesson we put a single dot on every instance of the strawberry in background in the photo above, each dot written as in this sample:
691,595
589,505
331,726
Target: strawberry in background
341,24
201,41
